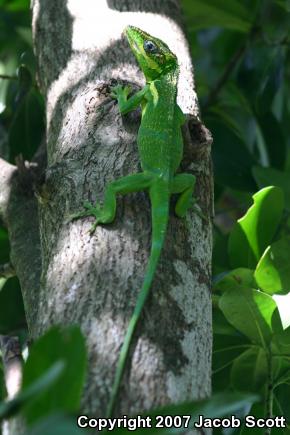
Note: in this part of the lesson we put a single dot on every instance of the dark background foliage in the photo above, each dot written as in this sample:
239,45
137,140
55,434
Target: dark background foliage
240,51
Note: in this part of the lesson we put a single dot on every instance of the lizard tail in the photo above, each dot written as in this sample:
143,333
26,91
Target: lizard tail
160,213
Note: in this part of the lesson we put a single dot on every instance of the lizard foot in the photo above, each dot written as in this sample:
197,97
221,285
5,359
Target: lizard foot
90,210
119,92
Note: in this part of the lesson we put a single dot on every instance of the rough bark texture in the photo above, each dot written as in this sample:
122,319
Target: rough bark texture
94,281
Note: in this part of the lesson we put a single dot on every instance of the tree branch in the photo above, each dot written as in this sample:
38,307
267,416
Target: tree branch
8,77
225,76
237,56
7,171
94,280
19,212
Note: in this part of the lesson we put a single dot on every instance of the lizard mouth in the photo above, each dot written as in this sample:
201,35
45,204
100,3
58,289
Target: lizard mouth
135,47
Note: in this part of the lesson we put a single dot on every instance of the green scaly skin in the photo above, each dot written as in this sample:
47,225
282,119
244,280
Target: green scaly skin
160,149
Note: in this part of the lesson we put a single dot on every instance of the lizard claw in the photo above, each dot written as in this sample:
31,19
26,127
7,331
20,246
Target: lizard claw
126,90
90,210
118,91
88,206
93,227
75,216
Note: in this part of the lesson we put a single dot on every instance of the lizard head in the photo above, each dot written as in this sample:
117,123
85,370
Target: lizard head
152,54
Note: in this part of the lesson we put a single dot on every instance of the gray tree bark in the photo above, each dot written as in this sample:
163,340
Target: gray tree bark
68,276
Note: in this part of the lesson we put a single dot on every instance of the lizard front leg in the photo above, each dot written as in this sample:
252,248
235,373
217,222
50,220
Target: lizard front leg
128,104
106,213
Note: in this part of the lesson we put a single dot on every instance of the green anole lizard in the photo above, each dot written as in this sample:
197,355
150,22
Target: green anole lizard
160,147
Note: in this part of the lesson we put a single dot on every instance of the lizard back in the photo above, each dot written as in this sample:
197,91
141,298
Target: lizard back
159,139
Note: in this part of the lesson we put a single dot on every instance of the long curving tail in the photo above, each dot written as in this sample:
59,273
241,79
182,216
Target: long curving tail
159,196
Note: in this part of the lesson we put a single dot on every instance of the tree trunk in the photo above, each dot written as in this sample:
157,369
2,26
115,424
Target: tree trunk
94,280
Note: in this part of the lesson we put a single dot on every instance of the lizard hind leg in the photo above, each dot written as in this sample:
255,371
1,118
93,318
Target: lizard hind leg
105,214
183,184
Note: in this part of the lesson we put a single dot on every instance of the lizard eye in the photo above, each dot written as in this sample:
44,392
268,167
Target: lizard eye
150,47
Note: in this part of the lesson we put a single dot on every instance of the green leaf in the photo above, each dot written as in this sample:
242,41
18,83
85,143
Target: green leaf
208,13
285,4
25,33
250,312
275,22
10,408
12,315
218,405
273,270
281,371
258,410
4,246
221,325
269,176
251,365
240,277
27,127
227,348
69,346
260,74
274,140
2,282
62,425
281,401
220,252
281,343
271,83
25,79
18,5
254,231
232,160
